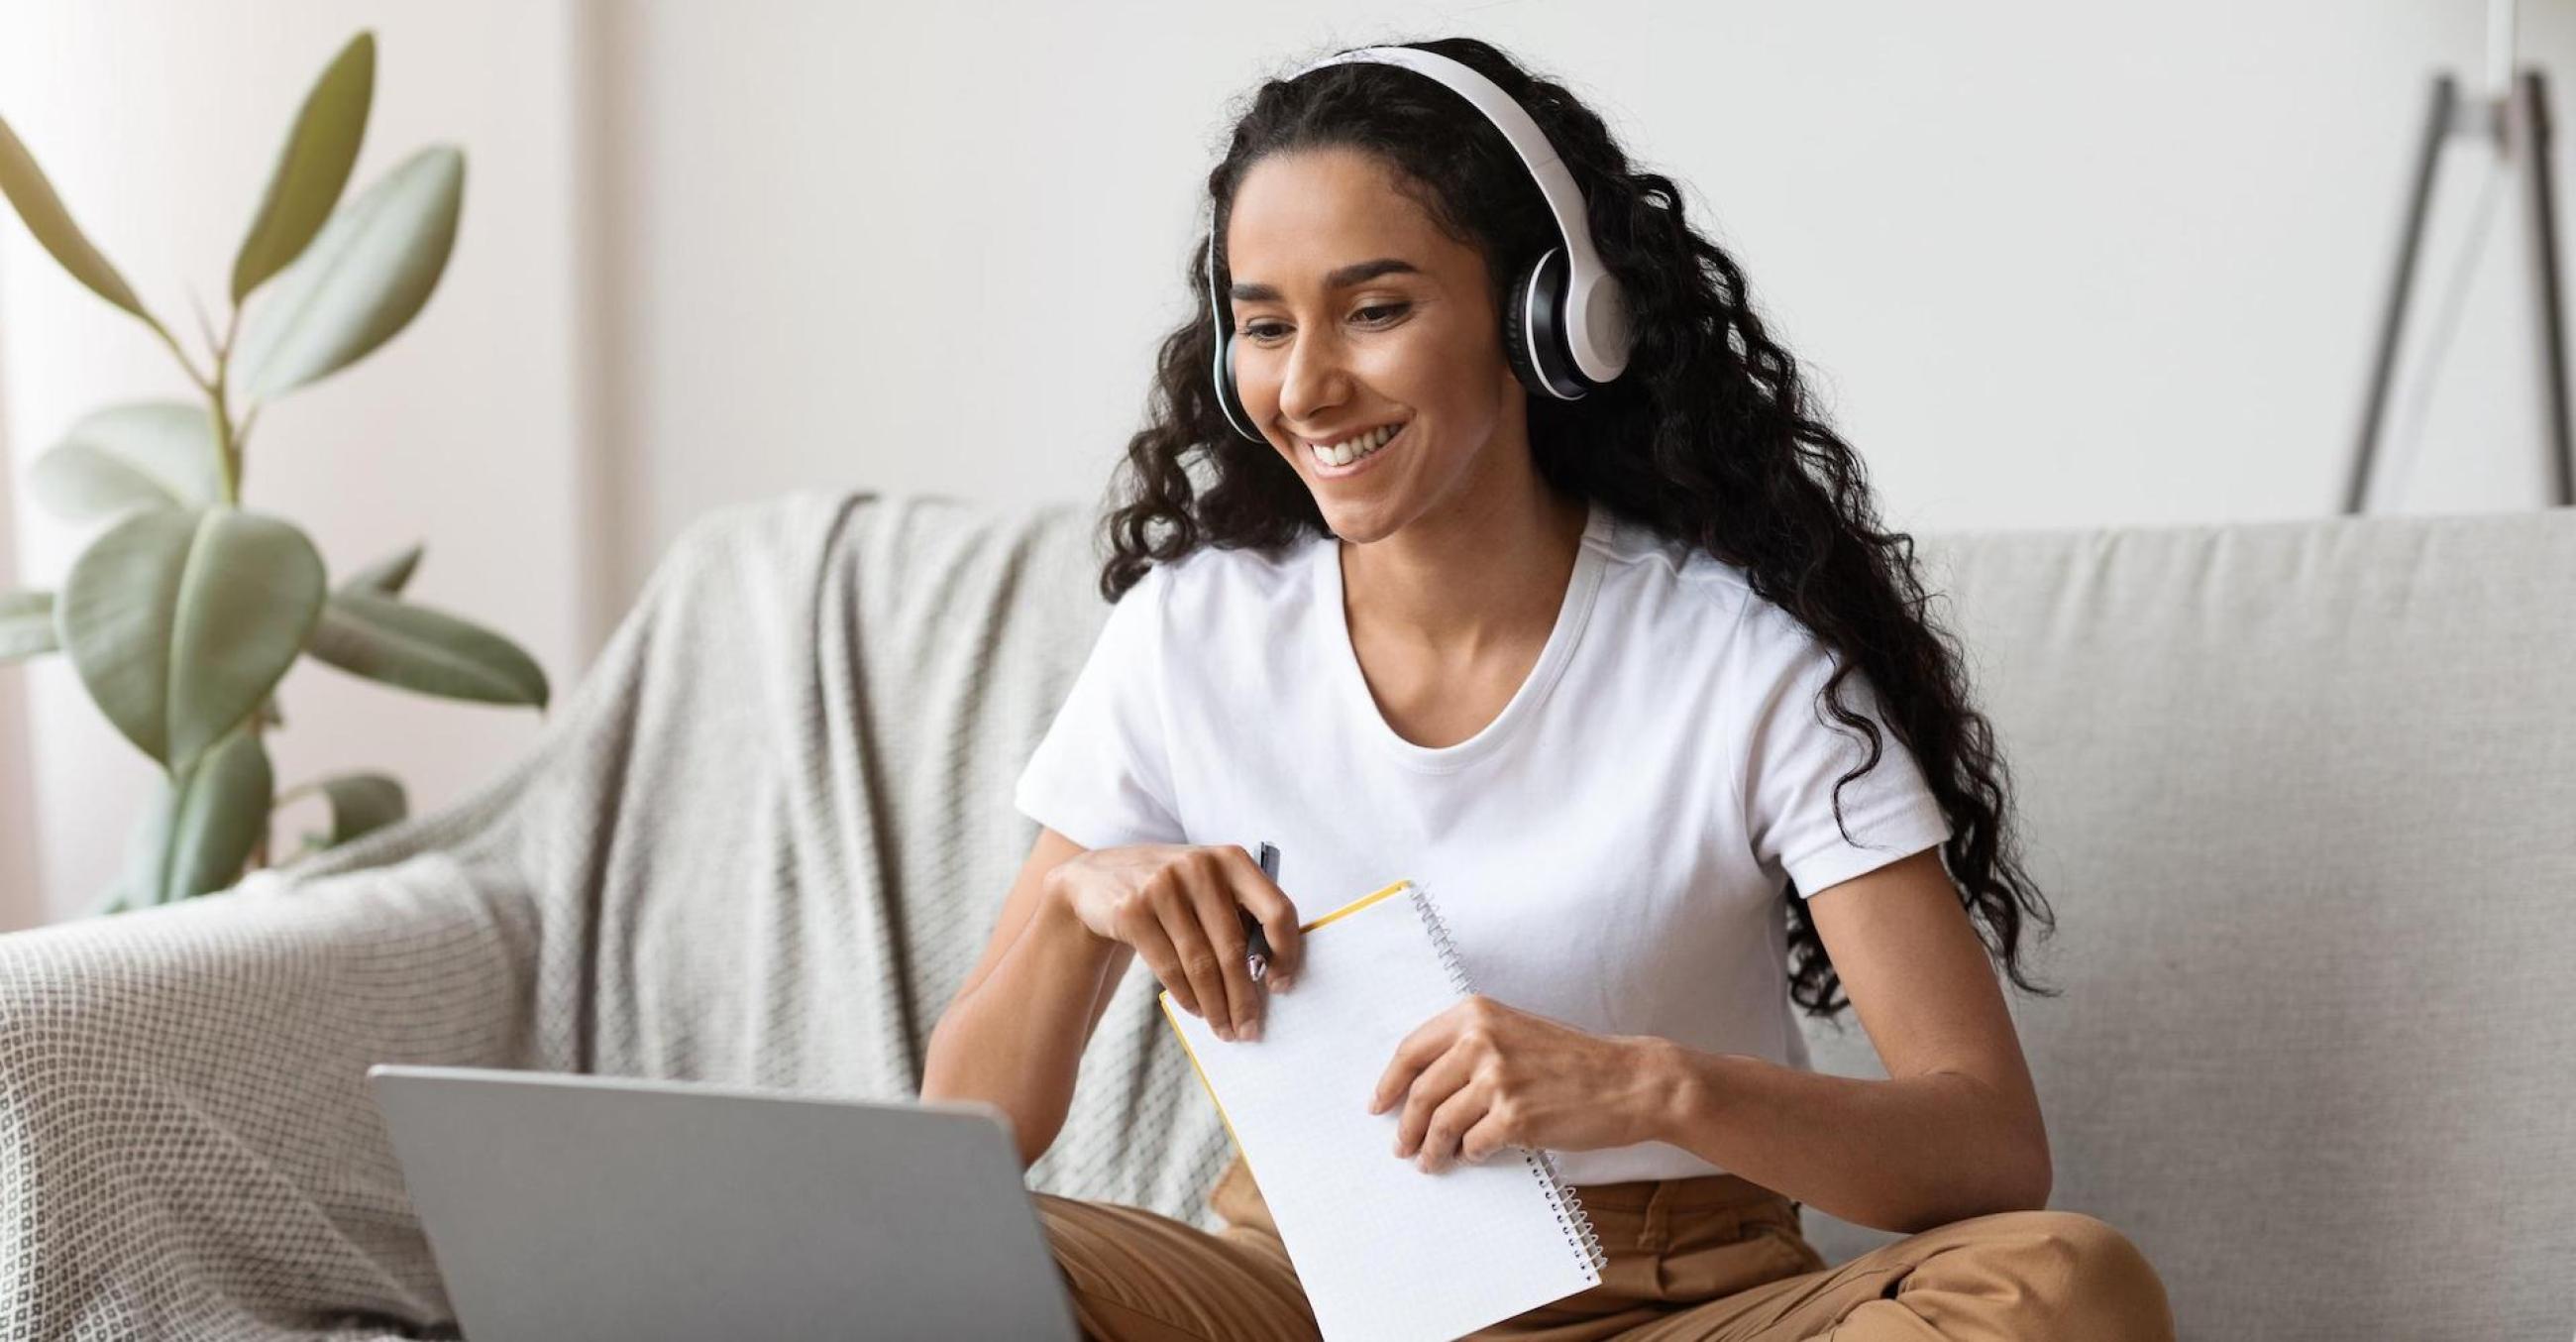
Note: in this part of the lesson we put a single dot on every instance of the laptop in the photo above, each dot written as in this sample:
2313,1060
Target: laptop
578,1206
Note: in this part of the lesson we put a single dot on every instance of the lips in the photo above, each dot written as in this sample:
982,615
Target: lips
1327,470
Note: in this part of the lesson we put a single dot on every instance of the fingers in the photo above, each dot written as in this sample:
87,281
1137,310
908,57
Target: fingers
1414,1052
1278,918
1188,925
1198,963
1236,1011
1490,1135
1143,929
1439,1083
1464,1110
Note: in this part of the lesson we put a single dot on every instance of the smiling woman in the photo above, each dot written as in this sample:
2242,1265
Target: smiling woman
1328,358
1480,487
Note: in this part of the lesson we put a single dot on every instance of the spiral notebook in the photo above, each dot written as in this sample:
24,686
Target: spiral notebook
1383,1250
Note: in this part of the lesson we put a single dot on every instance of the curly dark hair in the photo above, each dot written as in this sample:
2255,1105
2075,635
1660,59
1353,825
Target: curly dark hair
1706,435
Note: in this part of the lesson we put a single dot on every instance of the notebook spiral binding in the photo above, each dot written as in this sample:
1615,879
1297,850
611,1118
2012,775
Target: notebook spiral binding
1577,1223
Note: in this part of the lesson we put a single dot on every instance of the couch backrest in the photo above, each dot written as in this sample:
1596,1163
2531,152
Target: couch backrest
2300,795
2303,797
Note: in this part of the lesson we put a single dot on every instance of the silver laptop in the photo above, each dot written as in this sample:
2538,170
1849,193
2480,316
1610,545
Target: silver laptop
564,1206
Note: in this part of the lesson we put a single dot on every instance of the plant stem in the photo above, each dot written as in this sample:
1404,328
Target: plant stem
228,448
227,442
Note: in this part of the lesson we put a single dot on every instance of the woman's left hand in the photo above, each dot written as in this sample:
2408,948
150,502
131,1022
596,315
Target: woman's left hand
1481,1076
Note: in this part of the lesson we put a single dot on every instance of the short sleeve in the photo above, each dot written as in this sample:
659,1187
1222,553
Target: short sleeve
1101,775
1795,752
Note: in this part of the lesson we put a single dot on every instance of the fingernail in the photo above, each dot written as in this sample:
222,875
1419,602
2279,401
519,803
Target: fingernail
1252,1030
1223,1031
1279,984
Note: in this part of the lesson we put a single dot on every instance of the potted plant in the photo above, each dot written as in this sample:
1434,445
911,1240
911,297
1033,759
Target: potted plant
184,610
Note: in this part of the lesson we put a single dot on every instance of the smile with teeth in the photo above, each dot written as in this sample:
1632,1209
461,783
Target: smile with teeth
1352,449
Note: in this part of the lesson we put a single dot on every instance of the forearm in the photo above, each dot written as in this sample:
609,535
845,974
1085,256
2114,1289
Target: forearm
1903,1155
1016,1038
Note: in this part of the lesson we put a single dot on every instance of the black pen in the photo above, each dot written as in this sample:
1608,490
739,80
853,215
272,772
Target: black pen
1258,953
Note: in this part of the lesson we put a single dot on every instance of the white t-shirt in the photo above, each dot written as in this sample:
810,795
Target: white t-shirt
1609,852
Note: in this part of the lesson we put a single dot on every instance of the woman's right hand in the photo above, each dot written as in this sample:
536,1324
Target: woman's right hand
1176,905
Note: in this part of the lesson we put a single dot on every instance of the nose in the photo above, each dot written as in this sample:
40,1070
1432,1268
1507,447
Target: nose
1313,379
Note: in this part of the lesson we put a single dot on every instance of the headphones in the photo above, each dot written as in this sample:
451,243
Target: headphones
1565,320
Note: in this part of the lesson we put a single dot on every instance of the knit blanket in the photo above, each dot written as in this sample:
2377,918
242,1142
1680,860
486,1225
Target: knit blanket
761,843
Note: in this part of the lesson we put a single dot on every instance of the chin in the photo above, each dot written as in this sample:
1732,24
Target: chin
1360,524
1369,508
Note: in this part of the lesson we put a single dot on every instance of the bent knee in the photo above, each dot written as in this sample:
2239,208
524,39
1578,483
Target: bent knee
1083,1236
1138,1273
2091,1241
2108,1282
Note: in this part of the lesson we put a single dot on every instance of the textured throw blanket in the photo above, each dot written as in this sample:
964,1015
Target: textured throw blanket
761,844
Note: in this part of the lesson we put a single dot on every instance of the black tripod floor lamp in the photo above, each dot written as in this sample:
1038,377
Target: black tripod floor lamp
2511,117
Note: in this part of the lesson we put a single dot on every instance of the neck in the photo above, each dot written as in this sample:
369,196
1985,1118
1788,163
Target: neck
1459,580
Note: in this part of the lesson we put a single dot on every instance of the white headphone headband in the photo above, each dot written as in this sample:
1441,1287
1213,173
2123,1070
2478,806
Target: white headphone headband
1597,327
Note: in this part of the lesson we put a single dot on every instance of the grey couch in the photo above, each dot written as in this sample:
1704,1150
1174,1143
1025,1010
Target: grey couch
2300,794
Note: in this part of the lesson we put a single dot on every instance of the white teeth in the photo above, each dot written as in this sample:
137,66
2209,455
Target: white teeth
1343,454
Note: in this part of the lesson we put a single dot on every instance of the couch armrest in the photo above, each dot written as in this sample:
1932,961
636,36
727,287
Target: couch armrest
188,1146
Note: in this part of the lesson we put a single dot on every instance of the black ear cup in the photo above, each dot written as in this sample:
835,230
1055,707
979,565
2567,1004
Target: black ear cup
1534,330
1221,318
1515,330
1230,400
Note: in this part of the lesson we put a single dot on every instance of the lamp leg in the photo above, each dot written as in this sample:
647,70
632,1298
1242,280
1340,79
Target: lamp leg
2529,127
2437,129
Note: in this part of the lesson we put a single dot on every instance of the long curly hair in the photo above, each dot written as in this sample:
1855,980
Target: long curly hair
1706,435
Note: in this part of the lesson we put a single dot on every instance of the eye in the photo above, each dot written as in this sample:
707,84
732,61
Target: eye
1264,332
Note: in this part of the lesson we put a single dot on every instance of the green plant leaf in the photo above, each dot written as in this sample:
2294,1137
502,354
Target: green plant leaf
181,620
149,454
425,650
26,625
201,828
312,169
25,185
361,802
366,275
385,576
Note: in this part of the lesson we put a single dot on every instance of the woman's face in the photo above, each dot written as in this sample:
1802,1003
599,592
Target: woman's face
1353,312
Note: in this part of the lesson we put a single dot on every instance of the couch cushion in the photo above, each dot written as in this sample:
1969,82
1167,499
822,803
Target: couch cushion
2300,794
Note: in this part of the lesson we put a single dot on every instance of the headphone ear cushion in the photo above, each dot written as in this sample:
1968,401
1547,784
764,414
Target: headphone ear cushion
1515,323
1534,330
1228,399
1228,402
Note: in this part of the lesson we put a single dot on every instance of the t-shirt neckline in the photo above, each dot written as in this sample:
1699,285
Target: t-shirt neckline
1573,612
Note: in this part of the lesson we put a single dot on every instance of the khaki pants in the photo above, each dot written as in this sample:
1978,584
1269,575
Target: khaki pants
1716,1257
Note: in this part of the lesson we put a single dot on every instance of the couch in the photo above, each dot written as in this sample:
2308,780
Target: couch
2300,794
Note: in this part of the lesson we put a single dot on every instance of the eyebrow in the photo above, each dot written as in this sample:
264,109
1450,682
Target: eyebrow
1356,273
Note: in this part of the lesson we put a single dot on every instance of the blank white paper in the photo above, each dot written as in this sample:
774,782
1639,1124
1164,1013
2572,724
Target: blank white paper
1383,1250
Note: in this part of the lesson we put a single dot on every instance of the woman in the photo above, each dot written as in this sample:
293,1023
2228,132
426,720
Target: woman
1623,675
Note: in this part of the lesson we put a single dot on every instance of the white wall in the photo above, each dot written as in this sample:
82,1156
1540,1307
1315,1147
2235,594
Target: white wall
19,906
2049,265
2054,264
